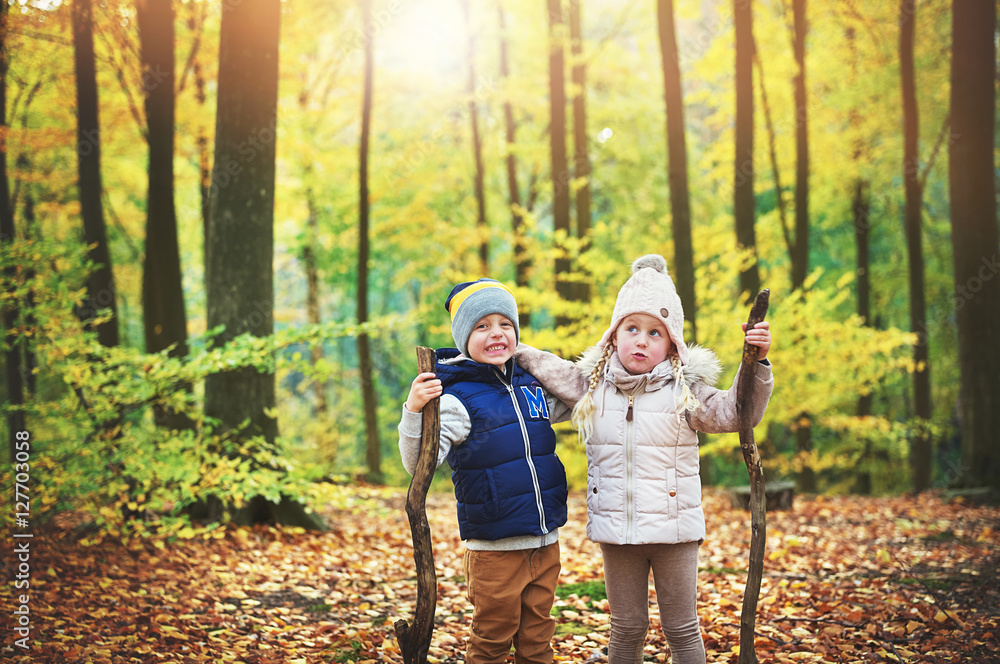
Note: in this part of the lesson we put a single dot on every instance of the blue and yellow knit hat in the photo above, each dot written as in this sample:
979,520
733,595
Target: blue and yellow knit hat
470,301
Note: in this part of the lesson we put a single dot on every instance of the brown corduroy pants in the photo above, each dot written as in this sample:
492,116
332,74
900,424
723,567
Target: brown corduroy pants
512,594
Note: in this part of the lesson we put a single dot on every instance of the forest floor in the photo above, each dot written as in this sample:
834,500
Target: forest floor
845,580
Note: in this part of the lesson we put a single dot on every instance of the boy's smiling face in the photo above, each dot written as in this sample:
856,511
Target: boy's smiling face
493,340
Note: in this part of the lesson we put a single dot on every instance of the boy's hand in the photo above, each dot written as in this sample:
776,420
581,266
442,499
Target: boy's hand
759,336
424,388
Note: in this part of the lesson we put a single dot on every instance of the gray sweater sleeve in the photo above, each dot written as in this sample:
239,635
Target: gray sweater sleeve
455,428
558,411
717,413
560,378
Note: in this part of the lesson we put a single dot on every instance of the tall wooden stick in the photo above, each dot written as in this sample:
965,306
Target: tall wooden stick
415,639
758,498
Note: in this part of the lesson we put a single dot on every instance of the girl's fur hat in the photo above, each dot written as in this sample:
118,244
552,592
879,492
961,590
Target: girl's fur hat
651,291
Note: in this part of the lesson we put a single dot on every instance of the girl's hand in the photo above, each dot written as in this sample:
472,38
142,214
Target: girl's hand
759,336
424,388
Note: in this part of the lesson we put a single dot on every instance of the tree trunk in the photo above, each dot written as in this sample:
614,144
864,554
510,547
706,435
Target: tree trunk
581,157
310,265
557,143
196,16
677,176
312,289
772,151
12,357
861,208
239,275
744,204
373,450
522,260
204,155
975,237
477,143
920,452
800,257
163,295
861,214
101,292
29,366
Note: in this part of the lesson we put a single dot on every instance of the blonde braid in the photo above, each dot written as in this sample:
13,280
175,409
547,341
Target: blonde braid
582,417
687,402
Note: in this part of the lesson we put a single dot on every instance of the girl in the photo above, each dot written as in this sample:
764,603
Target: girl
645,397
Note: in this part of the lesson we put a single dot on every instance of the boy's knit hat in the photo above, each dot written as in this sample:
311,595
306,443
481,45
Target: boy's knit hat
470,301
650,290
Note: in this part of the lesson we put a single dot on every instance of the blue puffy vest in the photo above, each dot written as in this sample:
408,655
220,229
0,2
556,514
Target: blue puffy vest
508,480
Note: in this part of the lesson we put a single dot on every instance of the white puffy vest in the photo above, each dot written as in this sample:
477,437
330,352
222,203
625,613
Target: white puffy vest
643,483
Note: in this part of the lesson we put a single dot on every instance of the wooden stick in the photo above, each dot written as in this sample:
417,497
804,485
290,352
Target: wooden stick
758,498
415,639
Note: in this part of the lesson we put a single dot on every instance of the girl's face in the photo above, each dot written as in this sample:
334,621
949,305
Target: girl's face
493,340
642,342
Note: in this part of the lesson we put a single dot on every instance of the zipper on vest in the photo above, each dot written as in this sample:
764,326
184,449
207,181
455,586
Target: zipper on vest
629,479
630,464
527,451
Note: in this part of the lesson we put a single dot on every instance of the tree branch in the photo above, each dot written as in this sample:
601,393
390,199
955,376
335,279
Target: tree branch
758,499
415,639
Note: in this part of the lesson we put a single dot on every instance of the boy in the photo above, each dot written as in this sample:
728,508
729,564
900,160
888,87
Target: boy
509,484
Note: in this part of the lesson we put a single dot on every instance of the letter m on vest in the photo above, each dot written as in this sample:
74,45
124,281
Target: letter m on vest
536,402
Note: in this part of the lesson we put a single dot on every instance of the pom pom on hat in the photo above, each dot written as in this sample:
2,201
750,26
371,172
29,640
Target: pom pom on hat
651,291
654,261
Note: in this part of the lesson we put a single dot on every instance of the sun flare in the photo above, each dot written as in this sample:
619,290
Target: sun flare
428,36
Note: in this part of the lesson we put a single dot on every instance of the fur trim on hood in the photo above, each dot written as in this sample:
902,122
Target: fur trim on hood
702,366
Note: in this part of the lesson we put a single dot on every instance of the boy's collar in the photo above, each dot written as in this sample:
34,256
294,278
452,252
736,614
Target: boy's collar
508,367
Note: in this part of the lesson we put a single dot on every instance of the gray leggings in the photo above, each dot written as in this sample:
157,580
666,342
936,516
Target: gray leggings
675,576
